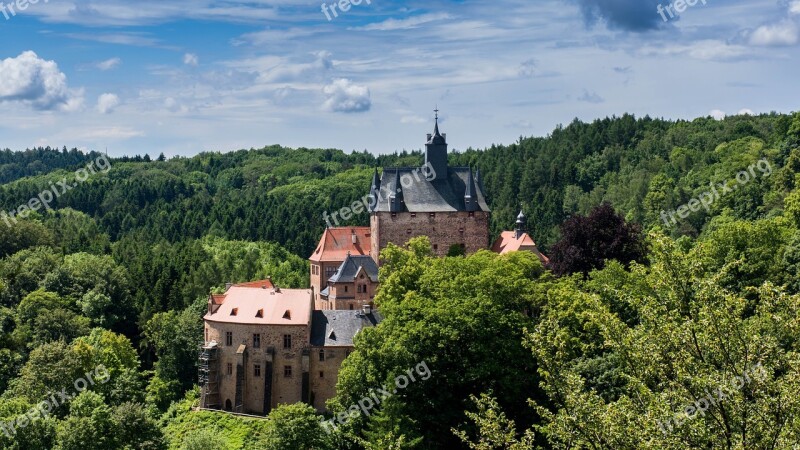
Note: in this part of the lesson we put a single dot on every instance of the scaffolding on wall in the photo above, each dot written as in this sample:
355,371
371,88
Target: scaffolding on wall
208,376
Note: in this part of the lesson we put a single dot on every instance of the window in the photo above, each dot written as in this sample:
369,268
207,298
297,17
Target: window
394,215
358,289
472,214
330,271
322,355
321,374
287,341
287,371
345,288
435,247
413,215
229,338
408,231
256,341
230,369
257,370
433,215
365,289
351,306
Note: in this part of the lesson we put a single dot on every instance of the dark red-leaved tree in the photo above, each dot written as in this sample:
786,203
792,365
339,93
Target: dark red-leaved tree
588,241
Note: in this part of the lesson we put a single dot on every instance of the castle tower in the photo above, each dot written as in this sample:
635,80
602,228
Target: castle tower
436,152
444,203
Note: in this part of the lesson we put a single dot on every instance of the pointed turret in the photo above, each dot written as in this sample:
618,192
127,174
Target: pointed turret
396,201
470,196
374,192
520,225
436,153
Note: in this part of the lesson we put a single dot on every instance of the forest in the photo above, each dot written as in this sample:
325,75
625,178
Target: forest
669,318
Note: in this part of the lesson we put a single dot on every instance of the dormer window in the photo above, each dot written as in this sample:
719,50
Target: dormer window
332,336
260,314
235,311
287,315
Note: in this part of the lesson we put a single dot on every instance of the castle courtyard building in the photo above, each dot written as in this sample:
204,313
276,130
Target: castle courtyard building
258,351
334,247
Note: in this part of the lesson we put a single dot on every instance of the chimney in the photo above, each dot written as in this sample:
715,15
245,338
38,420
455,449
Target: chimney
355,237
228,286
367,310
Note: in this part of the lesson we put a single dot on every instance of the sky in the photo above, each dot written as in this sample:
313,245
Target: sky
186,76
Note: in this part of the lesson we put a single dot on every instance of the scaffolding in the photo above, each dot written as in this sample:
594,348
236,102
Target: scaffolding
208,376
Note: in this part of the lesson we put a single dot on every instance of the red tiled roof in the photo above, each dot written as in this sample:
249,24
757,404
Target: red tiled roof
336,242
508,242
257,306
257,284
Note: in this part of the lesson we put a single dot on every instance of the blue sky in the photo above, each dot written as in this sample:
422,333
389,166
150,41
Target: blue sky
181,76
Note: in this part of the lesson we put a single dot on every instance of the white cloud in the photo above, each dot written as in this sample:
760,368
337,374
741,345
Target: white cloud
345,96
794,7
528,68
717,114
404,24
108,133
175,106
708,50
745,112
108,64
37,83
106,103
783,33
590,97
413,119
190,59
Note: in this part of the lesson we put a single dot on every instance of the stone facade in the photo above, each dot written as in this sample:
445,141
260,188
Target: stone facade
470,230
352,296
260,366
325,373
320,273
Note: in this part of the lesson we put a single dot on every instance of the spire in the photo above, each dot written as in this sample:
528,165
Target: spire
396,202
436,152
470,197
374,192
520,224
376,182
436,128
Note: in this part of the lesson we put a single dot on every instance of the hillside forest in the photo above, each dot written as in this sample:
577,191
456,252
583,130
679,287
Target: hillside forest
667,319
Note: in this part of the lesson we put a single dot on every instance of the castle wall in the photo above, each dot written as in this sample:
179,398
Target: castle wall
324,388
444,230
284,390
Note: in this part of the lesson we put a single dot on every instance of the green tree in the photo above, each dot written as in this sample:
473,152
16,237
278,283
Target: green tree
443,315
295,426
89,426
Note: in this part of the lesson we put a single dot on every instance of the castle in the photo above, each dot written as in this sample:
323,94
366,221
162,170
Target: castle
266,346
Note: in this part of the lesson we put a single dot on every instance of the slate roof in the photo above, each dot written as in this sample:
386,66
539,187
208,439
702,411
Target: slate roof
338,328
445,194
346,273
